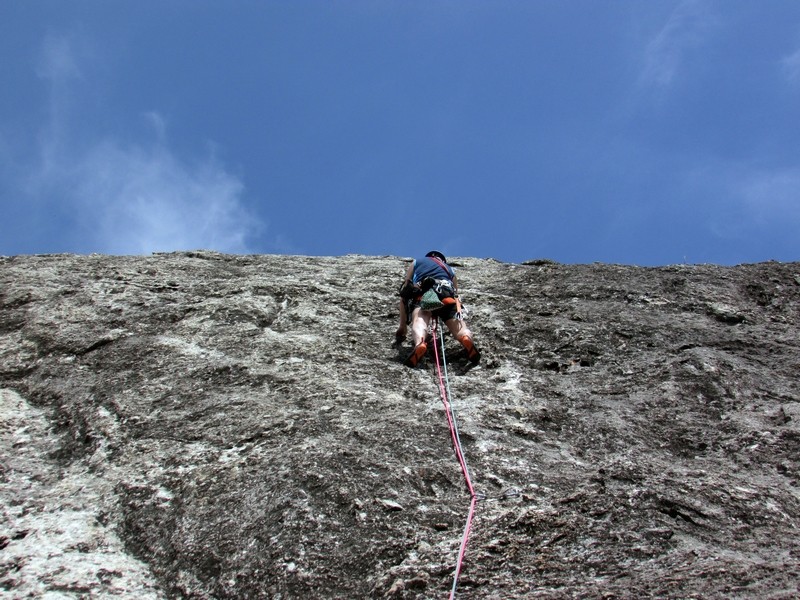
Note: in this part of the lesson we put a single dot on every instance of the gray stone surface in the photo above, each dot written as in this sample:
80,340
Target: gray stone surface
198,425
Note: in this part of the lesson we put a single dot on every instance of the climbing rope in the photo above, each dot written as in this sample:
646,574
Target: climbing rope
444,390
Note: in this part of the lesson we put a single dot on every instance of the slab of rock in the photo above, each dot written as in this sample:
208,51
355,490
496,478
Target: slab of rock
213,426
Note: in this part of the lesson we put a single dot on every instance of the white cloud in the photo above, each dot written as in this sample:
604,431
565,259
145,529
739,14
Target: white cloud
134,198
687,27
142,199
123,196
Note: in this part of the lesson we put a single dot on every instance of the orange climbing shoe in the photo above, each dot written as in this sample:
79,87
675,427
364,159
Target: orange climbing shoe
473,354
416,355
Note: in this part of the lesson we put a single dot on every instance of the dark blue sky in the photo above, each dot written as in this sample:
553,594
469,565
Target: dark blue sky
620,131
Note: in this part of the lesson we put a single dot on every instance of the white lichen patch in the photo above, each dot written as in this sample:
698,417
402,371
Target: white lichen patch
55,542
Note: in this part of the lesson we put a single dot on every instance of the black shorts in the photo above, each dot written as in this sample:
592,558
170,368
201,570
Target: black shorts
445,313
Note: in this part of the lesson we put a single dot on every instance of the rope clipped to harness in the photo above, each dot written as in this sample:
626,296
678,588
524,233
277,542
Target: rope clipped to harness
444,390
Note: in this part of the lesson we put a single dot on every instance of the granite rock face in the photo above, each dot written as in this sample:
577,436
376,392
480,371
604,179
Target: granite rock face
198,425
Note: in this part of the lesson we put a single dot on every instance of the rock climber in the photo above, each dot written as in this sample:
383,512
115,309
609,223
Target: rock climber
432,271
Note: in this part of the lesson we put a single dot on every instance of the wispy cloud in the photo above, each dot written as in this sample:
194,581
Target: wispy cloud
57,67
686,28
125,196
791,67
771,197
139,199
743,202
57,60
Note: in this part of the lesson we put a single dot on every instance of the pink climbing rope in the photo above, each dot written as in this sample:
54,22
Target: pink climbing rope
462,551
451,422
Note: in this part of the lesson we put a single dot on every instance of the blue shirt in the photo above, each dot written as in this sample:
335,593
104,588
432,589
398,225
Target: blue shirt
428,267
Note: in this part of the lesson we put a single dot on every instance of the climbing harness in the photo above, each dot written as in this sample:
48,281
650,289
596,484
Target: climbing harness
444,390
